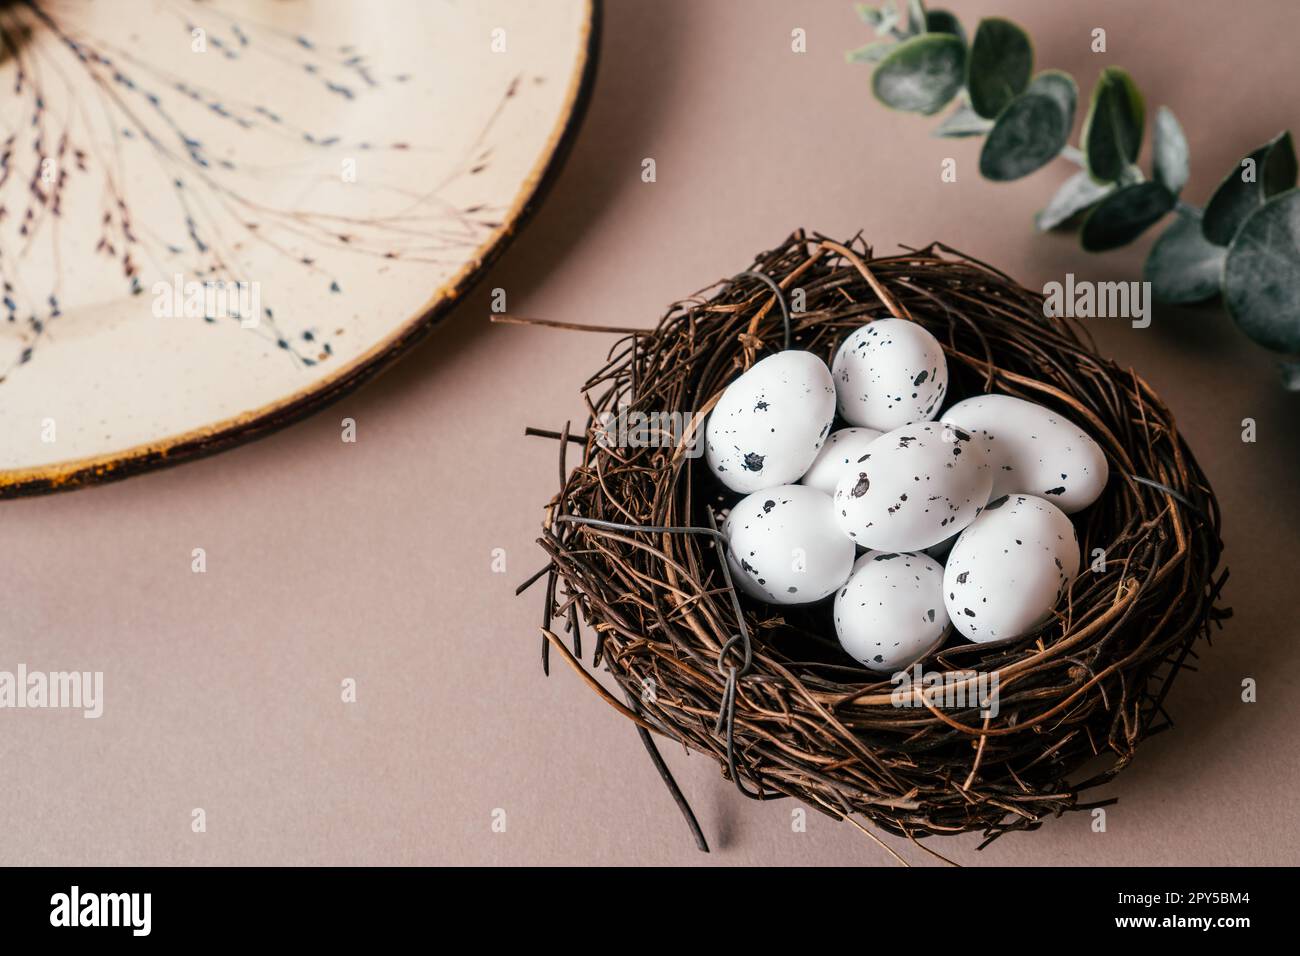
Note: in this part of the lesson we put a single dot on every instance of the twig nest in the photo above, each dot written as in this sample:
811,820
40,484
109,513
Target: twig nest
791,690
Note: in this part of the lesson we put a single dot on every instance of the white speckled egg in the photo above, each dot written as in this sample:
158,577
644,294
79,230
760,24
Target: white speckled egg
1010,568
918,485
891,611
1033,450
889,373
784,546
769,424
843,450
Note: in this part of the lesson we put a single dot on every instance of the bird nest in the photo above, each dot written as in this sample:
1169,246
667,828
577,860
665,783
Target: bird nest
767,691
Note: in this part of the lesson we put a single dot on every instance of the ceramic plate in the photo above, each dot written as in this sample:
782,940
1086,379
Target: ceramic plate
216,216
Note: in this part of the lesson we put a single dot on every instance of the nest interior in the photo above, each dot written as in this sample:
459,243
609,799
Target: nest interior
768,693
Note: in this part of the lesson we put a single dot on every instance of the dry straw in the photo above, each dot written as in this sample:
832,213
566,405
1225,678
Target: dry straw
767,691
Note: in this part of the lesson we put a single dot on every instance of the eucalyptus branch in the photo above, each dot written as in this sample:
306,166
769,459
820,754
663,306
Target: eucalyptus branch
1244,246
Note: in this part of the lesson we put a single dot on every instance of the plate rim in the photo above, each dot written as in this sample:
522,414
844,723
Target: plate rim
269,418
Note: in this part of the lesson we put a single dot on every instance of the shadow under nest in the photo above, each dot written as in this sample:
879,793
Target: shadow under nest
768,692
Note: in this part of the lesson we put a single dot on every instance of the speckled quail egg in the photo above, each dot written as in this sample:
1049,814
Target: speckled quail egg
891,611
916,486
784,546
1010,568
889,373
1033,450
843,450
769,424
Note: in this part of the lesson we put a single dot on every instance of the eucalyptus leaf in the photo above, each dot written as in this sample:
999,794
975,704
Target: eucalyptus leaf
889,18
1112,131
941,21
1123,215
1061,87
963,121
1001,59
1280,166
1169,146
1271,169
1132,173
1075,195
873,52
1031,131
915,16
1290,372
921,74
868,14
1183,266
1261,277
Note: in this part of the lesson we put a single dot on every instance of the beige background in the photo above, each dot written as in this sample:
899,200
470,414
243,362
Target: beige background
372,560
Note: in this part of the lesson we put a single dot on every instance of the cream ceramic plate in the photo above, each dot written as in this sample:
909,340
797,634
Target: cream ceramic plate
215,216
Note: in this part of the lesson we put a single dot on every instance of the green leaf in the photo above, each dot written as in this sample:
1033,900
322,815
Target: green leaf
1280,166
1001,59
889,18
921,74
1112,131
1183,267
963,122
941,21
868,14
1032,130
1169,147
1261,277
882,19
873,52
1123,215
1061,87
1266,172
1075,195
915,16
